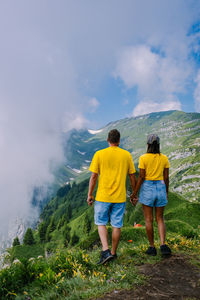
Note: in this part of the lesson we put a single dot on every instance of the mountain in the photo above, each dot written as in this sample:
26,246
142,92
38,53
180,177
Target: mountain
180,141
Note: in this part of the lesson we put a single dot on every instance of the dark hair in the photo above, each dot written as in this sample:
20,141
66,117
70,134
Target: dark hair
153,148
114,136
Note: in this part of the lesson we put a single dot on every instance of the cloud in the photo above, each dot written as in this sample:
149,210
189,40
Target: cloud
93,104
156,76
74,121
53,56
145,107
197,92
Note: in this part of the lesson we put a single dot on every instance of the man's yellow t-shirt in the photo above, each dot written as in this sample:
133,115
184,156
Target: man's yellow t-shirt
154,165
112,164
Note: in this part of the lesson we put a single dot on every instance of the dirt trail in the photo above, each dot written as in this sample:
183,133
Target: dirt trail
172,278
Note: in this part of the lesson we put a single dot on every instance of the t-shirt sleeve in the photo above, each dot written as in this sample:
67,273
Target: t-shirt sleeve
131,168
141,163
94,166
166,165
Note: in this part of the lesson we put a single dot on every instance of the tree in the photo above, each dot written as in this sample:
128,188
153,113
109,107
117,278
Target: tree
86,224
50,229
69,211
74,239
66,234
63,190
28,237
16,242
42,232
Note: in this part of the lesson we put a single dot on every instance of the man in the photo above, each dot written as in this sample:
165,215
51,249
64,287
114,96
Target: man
112,165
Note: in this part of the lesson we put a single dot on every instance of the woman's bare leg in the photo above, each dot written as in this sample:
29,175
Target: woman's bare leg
148,215
161,223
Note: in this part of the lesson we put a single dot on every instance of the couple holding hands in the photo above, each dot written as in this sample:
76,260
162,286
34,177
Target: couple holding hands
112,165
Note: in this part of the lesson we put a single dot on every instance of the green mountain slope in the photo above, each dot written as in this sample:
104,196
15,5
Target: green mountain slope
62,262
180,141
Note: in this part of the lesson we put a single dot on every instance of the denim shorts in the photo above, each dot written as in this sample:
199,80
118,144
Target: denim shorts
153,193
105,210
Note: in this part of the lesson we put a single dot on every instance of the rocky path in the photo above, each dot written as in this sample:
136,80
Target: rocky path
172,278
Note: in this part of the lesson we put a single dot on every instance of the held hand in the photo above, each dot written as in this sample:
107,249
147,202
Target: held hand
133,199
90,200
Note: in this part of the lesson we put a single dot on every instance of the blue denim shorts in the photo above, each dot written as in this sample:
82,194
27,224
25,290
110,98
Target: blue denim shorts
153,193
105,210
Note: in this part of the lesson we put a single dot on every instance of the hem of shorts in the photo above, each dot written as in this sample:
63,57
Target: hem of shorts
100,224
153,205
117,226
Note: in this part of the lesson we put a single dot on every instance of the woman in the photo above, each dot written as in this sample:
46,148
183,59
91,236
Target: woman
154,182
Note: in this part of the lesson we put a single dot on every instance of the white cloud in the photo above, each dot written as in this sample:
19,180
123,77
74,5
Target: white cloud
53,56
197,92
74,120
93,104
145,107
158,77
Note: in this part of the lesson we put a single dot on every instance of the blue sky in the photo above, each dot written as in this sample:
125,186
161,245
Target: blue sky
81,64
133,57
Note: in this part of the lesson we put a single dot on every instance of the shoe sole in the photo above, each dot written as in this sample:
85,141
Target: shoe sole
106,259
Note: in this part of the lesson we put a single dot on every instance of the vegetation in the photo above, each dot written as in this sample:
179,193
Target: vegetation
179,134
28,237
16,242
58,260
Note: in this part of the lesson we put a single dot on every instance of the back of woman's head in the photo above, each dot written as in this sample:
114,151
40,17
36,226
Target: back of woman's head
153,148
153,144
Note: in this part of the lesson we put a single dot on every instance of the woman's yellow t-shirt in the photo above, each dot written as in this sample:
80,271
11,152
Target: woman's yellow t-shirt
154,165
112,164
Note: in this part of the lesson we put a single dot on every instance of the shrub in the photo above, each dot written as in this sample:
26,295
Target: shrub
16,242
28,237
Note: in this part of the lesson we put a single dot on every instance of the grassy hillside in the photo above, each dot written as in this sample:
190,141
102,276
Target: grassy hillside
62,262
179,133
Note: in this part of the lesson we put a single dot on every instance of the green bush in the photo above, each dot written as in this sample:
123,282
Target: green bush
180,227
25,251
16,242
28,237
43,273
137,235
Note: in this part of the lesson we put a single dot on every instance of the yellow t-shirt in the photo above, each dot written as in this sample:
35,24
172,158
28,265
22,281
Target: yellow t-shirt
154,165
112,164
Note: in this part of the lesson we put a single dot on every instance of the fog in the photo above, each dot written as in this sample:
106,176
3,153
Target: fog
53,58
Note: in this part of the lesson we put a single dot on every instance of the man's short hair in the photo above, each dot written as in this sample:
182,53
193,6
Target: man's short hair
114,136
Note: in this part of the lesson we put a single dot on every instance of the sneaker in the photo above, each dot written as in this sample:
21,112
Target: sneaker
151,251
114,256
165,250
105,256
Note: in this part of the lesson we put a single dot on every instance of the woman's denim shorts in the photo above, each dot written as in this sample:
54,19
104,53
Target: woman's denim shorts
153,193
106,210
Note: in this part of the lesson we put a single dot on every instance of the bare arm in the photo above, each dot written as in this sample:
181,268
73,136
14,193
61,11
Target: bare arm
132,181
140,180
166,179
92,184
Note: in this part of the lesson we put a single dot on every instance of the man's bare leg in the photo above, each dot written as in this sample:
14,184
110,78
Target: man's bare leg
103,234
116,232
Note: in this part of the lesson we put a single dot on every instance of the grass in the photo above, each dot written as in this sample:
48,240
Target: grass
25,251
72,272
98,280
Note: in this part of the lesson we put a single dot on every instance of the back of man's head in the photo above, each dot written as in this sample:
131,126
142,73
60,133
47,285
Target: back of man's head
114,136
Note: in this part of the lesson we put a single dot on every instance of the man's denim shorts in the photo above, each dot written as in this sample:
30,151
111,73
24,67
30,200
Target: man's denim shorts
105,210
153,193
